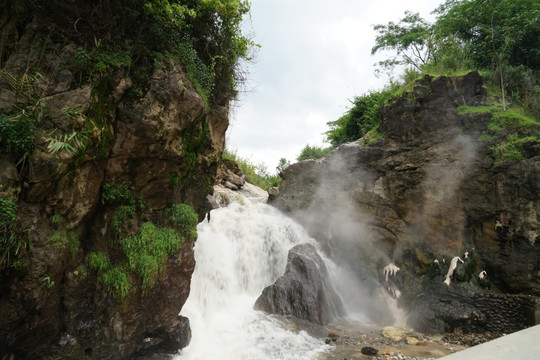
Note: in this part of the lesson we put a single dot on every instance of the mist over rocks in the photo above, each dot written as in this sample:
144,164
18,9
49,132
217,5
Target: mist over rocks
430,190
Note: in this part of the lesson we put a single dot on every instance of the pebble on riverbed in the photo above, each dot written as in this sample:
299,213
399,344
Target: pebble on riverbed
368,350
399,356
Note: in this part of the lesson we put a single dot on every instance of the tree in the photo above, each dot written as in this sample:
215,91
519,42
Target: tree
283,164
508,27
313,152
498,33
410,39
363,117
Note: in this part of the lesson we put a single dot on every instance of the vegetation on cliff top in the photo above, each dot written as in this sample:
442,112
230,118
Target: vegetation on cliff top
204,35
257,175
499,38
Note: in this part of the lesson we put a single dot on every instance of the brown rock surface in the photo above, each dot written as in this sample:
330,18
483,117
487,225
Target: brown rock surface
163,146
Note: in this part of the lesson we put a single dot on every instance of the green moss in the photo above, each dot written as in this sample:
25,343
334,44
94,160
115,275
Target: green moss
514,119
81,272
111,59
114,277
484,109
146,253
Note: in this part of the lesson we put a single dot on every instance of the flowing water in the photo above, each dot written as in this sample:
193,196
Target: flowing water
239,252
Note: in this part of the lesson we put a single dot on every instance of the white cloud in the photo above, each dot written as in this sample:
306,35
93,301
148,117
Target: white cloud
315,57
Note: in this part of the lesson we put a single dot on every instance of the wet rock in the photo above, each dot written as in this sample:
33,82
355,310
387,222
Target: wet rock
272,192
412,340
368,350
304,291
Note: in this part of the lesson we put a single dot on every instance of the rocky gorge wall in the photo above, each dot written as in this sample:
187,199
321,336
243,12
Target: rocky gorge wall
141,157
429,191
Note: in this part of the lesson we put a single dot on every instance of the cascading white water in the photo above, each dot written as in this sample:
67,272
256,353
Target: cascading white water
239,252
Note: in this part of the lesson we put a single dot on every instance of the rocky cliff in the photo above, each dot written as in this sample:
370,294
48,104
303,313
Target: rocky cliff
102,181
430,191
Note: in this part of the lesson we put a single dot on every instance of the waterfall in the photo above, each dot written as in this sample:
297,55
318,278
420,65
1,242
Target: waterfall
238,253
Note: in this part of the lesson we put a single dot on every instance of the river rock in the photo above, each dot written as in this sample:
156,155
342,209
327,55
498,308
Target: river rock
304,291
393,333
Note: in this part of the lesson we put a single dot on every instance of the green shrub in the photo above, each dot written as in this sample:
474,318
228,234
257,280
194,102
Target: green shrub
199,74
10,243
57,220
147,252
255,174
117,283
313,152
57,239
74,243
185,218
109,58
117,194
16,133
98,261
122,216
361,118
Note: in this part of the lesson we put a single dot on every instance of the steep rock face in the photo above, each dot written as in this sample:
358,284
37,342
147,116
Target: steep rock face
429,191
304,291
162,148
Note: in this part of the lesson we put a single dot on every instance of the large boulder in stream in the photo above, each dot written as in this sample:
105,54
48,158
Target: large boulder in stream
304,291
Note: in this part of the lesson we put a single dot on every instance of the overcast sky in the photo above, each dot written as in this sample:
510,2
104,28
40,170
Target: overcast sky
315,56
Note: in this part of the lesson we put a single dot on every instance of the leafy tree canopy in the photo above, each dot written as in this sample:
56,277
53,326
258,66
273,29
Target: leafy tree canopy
410,38
361,118
506,28
313,152
203,33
